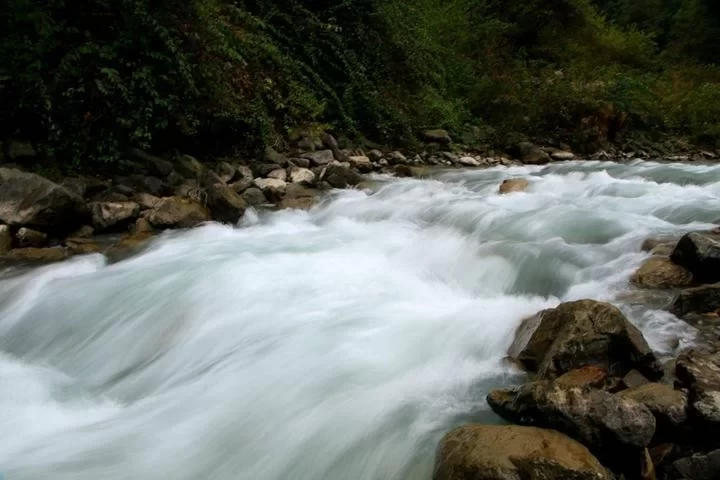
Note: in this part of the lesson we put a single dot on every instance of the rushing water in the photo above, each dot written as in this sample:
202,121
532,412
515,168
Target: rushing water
334,344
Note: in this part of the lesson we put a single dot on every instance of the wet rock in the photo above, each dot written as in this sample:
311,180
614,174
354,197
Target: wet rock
561,155
585,377
245,172
322,157
341,177
361,163
514,185
263,169
330,142
582,333
142,226
491,452
668,405
254,196
403,171
83,232
280,174
129,245
82,246
396,158
30,200
699,467
272,188
109,215
190,167
297,203
661,272
302,175
226,172
602,421
375,155
145,200
178,212
27,237
700,254
703,299
300,162
225,204
38,255
634,379
531,154
469,162
699,373
437,135
243,184
5,239
272,156
651,243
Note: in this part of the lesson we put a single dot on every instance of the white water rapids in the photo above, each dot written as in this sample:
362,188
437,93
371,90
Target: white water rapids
336,344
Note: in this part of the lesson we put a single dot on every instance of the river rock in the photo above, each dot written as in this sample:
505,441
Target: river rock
581,333
272,156
300,162
106,215
703,299
649,244
225,204
178,212
129,245
39,255
361,163
302,175
437,135
272,188
699,373
599,419
156,165
562,155
254,196
322,157
190,167
469,161
667,404
700,254
340,177
661,272
27,199
81,246
699,467
396,158
145,200
5,239
279,173
531,154
493,452
226,172
27,237
261,170
243,184
514,185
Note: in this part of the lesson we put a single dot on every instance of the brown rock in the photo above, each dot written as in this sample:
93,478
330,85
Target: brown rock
109,215
178,212
5,239
582,333
634,379
661,272
226,205
129,245
668,405
699,373
254,196
700,253
489,452
651,243
361,162
586,377
703,299
145,200
82,246
514,185
27,237
602,421
38,255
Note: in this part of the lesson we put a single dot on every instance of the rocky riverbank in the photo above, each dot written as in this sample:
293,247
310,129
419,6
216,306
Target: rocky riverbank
598,395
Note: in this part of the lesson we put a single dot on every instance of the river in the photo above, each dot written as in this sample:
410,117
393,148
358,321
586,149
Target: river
339,343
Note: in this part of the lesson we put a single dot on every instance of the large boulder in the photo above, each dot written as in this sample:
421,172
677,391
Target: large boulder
109,215
145,200
301,175
581,333
699,373
361,162
513,185
190,167
272,156
5,239
322,157
272,188
298,197
661,272
667,404
178,212
602,421
30,200
531,154
437,135
226,205
254,196
226,172
493,452
339,176
700,253
703,299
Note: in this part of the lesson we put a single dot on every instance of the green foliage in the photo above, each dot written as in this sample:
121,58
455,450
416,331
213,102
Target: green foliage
85,80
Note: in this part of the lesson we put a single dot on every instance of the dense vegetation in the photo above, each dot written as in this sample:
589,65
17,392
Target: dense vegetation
85,79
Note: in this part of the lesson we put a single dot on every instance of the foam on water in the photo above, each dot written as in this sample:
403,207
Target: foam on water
337,343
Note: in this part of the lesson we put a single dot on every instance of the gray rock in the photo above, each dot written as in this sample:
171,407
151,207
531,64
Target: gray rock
272,156
699,467
280,174
396,158
300,162
437,135
302,175
145,200
254,196
668,405
30,200
361,163
243,184
341,177
225,204
263,169
245,172
699,373
375,155
562,155
272,188
322,157
113,215
703,299
700,254
156,165
226,172
531,154
27,237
